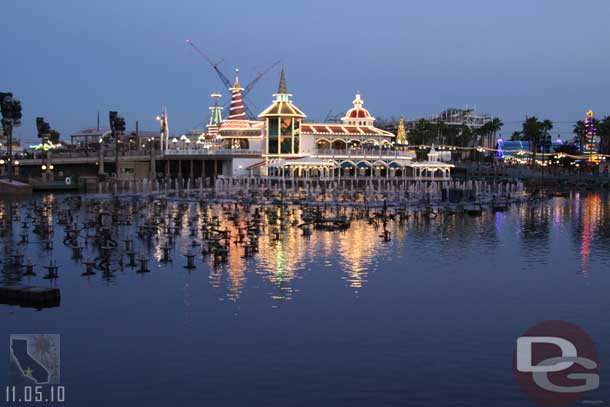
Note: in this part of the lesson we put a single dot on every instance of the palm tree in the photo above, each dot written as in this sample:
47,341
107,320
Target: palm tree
546,126
533,132
482,134
516,136
603,131
580,131
441,130
496,125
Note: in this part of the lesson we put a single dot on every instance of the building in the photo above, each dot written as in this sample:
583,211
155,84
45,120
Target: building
282,143
461,117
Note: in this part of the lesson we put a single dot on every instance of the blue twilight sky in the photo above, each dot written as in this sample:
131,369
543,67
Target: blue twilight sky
68,59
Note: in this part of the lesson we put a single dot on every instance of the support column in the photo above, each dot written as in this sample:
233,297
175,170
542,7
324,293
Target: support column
203,171
101,160
192,171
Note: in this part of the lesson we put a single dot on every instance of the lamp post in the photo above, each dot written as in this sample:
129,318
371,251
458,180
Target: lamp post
153,165
117,126
11,117
163,131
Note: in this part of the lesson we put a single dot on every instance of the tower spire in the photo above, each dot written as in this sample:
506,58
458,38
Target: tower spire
237,110
215,116
282,88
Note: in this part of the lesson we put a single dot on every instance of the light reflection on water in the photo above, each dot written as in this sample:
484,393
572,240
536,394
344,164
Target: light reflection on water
332,317
357,252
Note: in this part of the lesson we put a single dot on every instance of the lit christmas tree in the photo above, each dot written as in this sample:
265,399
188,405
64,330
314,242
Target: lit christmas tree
401,134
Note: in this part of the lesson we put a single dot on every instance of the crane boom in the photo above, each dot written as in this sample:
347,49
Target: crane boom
258,77
226,81
214,65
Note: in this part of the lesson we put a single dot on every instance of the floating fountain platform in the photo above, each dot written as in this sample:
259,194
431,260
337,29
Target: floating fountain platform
30,296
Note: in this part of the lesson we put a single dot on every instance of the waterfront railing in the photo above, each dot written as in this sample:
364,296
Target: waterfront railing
212,151
365,153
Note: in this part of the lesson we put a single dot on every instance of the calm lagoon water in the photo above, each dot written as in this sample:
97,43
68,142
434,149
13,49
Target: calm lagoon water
337,319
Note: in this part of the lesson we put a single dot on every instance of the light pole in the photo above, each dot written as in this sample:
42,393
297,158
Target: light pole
164,134
153,166
11,117
117,126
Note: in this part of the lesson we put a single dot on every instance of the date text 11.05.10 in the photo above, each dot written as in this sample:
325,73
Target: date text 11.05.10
35,394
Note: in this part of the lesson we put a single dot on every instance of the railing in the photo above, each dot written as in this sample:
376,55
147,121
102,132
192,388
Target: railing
362,153
212,151
108,153
389,177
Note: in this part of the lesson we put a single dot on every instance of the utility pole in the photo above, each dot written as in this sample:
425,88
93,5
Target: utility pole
11,117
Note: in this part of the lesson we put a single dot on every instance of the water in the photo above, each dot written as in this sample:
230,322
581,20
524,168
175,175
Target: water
339,318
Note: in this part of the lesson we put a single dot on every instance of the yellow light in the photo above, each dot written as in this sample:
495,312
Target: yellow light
44,167
51,166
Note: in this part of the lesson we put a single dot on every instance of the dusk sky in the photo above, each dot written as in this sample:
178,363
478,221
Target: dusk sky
67,60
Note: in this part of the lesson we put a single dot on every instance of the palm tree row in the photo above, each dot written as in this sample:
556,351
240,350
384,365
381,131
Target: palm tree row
428,132
603,132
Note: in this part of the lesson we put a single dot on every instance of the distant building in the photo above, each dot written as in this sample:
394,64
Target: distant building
521,149
461,117
282,144
90,137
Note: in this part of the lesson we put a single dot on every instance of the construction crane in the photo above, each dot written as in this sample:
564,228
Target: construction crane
214,65
258,77
226,81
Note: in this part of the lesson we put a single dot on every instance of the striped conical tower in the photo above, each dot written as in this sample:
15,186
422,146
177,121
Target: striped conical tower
215,117
237,110
237,119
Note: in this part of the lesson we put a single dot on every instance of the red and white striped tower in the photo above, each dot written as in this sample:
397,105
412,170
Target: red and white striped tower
237,110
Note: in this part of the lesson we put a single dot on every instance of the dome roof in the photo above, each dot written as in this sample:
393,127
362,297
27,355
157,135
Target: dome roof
358,112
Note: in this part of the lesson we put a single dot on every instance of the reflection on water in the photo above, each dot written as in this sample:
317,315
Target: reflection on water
285,256
336,318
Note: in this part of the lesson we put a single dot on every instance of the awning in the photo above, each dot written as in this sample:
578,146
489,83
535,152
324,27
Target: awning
257,165
431,165
309,162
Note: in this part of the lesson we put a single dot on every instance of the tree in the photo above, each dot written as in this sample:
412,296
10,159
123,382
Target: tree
546,127
465,135
534,132
516,136
580,132
496,126
603,131
401,133
45,132
421,132
441,129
